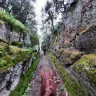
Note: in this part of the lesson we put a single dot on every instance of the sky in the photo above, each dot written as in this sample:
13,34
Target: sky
39,4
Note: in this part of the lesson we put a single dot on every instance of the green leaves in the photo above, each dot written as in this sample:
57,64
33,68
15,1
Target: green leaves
63,88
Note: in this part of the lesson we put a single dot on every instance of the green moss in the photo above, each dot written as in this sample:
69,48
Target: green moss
74,88
8,19
88,29
69,57
34,40
1,22
87,63
16,43
11,55
24,80
56,40
5,41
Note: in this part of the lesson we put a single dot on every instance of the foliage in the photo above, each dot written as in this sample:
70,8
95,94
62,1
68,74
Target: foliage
4,41
16,43
22,10
25,79
1,22
74,88
34,40
33,49
50,13
54,31
62,7
11,21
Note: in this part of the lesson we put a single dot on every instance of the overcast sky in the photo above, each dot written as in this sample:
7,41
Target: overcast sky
39,4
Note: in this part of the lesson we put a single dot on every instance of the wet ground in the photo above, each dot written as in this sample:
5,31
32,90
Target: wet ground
46,64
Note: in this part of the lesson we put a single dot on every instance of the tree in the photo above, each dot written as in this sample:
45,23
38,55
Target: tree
49,10
62,6
22,10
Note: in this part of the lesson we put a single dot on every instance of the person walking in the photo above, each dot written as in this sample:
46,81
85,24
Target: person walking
44,49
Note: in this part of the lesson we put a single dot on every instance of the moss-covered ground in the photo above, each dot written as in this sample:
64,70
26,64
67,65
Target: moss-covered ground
11,55
25,79
74,88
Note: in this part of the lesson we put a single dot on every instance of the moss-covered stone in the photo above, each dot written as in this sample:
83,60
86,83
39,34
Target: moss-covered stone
69,57
56,40
11,55
86,41
74,88
5,41
87,63
16,43
1,22
15,24
58,52
34,40
25,79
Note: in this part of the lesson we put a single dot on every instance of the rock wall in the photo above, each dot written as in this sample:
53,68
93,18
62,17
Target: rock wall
9,35
83,15
85,82
14,61
10,79
76,20
78,39
86,41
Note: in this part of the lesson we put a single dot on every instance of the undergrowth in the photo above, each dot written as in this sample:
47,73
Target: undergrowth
25,79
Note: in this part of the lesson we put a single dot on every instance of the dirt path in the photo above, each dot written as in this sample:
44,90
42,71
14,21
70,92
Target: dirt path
45,64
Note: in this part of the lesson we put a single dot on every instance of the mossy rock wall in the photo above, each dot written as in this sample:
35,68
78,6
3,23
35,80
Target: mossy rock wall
87,64
11,55
66,56
14,61
86,41
85,70
13,30
74,87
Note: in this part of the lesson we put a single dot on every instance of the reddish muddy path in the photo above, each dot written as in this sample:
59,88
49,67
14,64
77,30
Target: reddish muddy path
46,64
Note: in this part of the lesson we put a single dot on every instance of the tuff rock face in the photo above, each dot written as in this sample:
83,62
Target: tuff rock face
86,41
27,39
10,79
7,34
3,32
76,20
79,35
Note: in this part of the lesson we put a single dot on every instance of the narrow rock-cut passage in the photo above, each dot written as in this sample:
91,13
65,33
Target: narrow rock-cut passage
46,64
